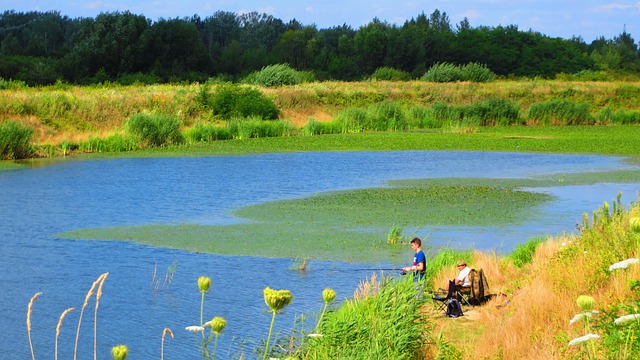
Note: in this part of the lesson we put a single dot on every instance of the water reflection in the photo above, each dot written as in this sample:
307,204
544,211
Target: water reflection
67,195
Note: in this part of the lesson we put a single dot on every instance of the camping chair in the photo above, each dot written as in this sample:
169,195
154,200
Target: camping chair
441,298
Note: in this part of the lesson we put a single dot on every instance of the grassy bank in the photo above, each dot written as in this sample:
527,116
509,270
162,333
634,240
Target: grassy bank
67,120
536,314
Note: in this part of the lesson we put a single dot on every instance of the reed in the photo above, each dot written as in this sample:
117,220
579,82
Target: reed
102,279
58,327
29,310
97,282
164,332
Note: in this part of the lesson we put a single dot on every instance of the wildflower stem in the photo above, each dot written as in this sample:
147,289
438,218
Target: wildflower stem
266,349
321,316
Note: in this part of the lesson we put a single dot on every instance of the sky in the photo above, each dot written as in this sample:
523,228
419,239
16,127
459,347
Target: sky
556,18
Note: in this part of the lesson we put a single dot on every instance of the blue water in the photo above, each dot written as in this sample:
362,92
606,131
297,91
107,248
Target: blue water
39,202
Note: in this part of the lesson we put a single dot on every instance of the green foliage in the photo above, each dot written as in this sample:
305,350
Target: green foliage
155,129
395,235
12,84
256,128
443,72
111,143
278,75
560,112
207,132
390,74
386,325
476,72
314,127
608,116
447,72
15,140
446,258
229,101
523,253
488,112
446,350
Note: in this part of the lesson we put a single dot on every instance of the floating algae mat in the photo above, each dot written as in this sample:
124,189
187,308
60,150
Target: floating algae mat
343,226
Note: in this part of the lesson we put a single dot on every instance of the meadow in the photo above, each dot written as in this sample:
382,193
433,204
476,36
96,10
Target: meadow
537,285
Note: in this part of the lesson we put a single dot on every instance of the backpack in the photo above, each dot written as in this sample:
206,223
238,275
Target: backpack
454,309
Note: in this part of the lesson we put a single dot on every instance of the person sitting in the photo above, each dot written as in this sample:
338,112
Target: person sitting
461,282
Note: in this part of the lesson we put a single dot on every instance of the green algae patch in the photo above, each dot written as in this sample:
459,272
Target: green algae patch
342,226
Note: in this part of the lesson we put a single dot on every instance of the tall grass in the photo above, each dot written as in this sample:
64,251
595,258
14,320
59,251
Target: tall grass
155,129
389,325
15,141
560,112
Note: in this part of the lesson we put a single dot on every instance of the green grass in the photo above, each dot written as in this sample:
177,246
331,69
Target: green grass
609,140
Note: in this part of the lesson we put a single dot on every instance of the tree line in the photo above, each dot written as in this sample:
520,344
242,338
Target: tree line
41,48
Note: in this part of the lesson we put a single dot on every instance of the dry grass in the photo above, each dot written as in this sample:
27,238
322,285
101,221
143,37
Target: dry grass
530,317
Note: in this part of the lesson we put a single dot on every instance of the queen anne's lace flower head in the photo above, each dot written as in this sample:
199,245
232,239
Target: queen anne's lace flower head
585,338
623,264
626,319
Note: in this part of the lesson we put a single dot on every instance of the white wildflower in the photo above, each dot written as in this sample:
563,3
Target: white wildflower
564,244
624,320
623,264
194,328
584,338
315,335
583,316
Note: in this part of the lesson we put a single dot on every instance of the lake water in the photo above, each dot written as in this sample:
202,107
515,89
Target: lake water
37,203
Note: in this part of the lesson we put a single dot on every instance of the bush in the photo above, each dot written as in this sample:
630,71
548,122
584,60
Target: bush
390,74
446,72
15,141
560,112
477,73
443,72
231,101
278,75
155,129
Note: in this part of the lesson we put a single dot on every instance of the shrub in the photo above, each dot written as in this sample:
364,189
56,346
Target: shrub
278,75
15,141
443,72
477,73
608,116
351,120
560,112
155,129
231,101
390,74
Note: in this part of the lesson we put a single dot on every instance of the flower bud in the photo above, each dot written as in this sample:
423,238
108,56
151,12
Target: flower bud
218,324
328,295
204,282
119,352
277,299
586,303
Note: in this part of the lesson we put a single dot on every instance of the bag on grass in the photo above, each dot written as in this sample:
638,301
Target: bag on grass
454,309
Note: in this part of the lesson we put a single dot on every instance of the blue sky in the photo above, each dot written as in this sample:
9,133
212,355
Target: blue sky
556,18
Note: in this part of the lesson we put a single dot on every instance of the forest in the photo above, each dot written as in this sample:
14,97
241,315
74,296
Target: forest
41,48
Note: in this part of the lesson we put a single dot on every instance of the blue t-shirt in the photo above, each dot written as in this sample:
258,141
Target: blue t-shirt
418,258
